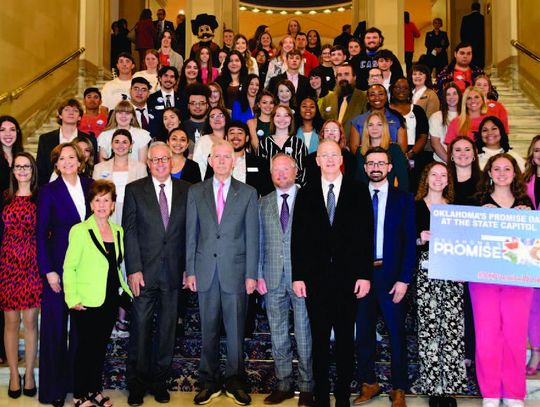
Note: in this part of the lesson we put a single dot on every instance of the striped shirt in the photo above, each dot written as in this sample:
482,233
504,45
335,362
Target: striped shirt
293,146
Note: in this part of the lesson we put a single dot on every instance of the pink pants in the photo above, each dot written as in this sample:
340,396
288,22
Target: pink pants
501,316
534,320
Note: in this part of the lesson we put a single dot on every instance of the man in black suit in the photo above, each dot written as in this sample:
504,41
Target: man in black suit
139,93
163,98
331,252
154,221
300,82
160,25
70,112
472,31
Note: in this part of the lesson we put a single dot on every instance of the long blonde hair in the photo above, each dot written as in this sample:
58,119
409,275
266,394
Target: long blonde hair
464,119
123,106
385,139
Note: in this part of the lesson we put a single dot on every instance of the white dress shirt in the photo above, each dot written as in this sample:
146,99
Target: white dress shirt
239,171
61,138
326,186
383,196
171,97
77,195
167,189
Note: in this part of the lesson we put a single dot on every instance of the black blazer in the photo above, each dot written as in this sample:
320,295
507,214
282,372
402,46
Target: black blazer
304,88
146,241
47,142
156,105
340,253
257,174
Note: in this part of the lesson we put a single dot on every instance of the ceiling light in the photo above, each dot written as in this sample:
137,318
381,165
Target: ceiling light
243,8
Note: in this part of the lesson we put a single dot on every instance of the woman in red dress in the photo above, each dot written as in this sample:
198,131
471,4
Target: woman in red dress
20,283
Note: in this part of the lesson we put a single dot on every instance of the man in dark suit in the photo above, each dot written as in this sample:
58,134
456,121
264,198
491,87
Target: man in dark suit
222,256
393,261
139,93
154,221
70,112
331,266
160,25
472,31
300,82
163,98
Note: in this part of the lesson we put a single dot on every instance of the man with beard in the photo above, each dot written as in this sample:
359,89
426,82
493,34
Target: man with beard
393,264
163,98
346,102
367,58
197,101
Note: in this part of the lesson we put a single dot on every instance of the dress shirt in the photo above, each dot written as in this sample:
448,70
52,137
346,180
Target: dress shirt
293,77
167,189
165,97
383,196
417,94
326,186
77,195
239,171
66,140
290,199
226,186
138,114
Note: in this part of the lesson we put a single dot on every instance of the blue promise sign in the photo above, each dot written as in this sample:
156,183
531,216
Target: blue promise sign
485,245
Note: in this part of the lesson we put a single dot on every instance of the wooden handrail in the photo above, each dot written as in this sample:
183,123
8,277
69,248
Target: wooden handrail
525,50
14,94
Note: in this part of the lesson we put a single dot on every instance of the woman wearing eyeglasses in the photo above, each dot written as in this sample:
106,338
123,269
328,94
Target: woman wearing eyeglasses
20,283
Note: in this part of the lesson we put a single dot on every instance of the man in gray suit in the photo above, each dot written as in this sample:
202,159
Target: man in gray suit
275,280
154,220
222,255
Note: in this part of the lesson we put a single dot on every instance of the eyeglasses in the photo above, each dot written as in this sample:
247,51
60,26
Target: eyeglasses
372,164
197,104
157,160
217,116
331,155
26,167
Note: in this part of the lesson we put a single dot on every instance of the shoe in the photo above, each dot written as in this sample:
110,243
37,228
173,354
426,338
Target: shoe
435,401
343,402
449,401
490,402
368,392
239,396
397,397
206,395
136,398
278,396
100,399
58,403
306,399
162,396
513,403
83,401
29,392
15,394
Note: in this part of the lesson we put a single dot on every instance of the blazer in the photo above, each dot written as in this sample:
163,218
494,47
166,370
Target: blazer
156,105
330,110
56,214
191,172
47,142
104,170
229,248
341,252
274,244
313,141
148,244
86,268
257,174
304,88
399,246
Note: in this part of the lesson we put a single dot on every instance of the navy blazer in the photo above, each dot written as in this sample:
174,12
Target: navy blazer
56,214
156,106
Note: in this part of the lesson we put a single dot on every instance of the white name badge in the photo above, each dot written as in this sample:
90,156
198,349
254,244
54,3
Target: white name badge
252,169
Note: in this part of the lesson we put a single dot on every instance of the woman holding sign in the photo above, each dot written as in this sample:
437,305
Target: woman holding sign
501,312
441,348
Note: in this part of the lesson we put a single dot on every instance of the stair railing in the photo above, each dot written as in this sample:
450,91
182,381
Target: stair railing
525,50
14,94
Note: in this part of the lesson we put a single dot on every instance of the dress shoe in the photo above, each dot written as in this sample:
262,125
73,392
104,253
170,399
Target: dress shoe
58,403
278,396
368,392
343,402
306,399
162,396
397,397
32,391
136,398
513,403
15,394
206,395
490,402
239,396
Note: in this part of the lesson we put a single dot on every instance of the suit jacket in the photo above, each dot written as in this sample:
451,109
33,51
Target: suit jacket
104,170
47,142
340,253
399,246
274,244
304,88
257,174
56,214
146,240
191,172
329,108
472,31
156,104
86,266
230,248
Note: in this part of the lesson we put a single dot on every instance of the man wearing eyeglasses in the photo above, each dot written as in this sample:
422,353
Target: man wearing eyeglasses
198,106
154,221
331,251
393,263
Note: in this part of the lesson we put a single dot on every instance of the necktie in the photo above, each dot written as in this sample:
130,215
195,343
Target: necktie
342,109
168,101
163,206
220,201
331,203
144,122
284,216
375,203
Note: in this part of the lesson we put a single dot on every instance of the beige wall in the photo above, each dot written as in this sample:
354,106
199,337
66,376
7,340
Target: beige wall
50,33
529,70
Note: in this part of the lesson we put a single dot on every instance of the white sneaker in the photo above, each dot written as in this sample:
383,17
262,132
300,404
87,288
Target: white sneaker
513,403
490,402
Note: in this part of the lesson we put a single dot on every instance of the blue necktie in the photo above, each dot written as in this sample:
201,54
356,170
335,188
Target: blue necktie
375,203
284,216
331,203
